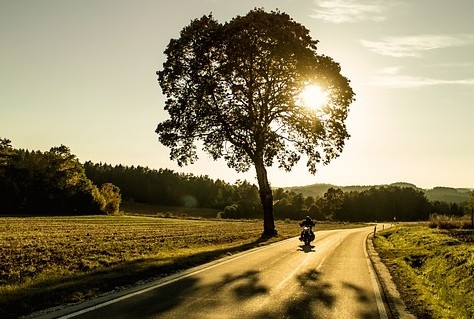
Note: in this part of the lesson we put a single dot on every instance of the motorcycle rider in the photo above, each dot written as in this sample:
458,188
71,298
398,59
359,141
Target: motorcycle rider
307,222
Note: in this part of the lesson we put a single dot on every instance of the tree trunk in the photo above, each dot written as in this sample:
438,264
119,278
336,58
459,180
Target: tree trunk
266,198
472,217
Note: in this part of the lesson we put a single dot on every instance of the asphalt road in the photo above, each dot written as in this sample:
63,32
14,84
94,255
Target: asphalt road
331,279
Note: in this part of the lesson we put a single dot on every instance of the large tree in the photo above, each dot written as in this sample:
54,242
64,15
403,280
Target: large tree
236,87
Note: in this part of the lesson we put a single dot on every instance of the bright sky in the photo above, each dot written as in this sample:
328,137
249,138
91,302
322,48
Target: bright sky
82,74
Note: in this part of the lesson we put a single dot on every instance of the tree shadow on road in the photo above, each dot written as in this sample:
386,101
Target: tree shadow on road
313,297
314,294
188,291
249,286
363,296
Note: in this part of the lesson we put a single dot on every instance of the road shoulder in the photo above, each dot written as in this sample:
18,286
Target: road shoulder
397,307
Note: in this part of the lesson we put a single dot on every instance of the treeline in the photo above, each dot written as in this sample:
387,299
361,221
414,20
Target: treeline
385,203
55,182
441,194
375,204
241,200
50,183
163,186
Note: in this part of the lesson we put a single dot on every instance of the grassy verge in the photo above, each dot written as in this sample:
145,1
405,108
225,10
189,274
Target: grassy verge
432,268
49,261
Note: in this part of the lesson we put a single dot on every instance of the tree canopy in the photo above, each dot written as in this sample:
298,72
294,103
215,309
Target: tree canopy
235,87
50,183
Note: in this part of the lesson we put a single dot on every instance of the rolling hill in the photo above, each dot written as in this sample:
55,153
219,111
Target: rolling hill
444,194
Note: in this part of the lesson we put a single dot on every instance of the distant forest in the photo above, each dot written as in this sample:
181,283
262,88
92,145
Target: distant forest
442,194
55,182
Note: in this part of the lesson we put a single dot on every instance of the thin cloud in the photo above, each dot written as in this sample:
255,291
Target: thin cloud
414,46
391,78
349,11
464,65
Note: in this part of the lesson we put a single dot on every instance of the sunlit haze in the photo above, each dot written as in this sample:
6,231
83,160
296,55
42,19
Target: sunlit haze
82,74
313,96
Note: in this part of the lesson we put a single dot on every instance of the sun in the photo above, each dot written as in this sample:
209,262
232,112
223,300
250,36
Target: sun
313,96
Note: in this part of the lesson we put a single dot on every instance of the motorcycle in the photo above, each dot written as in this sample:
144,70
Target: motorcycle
307,236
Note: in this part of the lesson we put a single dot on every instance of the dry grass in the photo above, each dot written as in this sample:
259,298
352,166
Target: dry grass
450,222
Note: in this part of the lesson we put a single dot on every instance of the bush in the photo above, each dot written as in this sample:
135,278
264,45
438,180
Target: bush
112,199
230,211
449,222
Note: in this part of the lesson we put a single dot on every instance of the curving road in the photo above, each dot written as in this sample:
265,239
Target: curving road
331,279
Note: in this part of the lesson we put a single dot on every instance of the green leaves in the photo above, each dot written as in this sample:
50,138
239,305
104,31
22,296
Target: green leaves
51,182
233,86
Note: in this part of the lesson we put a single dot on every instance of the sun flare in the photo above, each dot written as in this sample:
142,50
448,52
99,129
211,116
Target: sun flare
313,96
